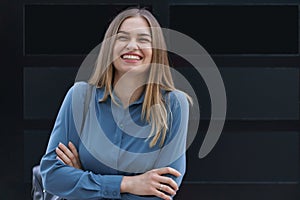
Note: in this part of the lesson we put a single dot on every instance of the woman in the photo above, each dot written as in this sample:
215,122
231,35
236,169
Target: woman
132,145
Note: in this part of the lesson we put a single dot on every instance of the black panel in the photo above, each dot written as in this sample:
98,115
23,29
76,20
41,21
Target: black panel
238,192
44,90
255,29
252,93
243,156
35,144
262,93
66,29
232,2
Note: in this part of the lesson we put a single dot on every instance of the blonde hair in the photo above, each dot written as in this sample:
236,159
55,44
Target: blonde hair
159,77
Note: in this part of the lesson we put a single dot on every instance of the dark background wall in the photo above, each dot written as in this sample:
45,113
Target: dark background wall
255,45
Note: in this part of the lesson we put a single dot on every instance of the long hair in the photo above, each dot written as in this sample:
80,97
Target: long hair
154,109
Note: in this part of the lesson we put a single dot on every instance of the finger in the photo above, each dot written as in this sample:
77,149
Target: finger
67,152
58,158
167,189
62,156
169,183
73,149
168,170
162,195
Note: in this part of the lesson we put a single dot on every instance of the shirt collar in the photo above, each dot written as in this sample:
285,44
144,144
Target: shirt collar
140,100
101,92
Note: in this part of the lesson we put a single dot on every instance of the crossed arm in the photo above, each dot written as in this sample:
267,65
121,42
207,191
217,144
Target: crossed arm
152,182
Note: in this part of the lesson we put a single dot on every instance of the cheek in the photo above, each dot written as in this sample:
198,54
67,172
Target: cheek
115,52
148,54
117,48
115,56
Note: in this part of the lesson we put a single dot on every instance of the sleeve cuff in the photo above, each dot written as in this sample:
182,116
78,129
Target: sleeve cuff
111,186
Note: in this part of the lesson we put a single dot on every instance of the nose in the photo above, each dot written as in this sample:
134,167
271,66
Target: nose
132,45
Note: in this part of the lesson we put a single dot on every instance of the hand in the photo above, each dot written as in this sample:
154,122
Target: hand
69,156
152,183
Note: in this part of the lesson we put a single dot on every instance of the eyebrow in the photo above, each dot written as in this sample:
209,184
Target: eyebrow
140,34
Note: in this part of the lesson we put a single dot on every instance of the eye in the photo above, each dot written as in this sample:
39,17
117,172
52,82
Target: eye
144,40
122,38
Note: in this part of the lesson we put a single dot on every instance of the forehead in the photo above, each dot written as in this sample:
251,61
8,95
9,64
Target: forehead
135,25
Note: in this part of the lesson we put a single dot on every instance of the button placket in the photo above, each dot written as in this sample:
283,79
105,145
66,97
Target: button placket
119,133
121,125
122,118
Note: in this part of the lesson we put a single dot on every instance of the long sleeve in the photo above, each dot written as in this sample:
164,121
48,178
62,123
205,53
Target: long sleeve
173,152
66,181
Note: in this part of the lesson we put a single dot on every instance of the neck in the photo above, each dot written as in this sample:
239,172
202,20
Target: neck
128,88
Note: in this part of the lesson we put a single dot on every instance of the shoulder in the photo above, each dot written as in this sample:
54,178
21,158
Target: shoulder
81,85
78,92
176,98
80,88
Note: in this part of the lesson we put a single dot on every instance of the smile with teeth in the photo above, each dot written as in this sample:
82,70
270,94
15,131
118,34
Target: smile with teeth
131,57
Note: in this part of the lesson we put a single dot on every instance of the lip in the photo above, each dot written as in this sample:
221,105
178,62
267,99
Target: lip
131,61
133,54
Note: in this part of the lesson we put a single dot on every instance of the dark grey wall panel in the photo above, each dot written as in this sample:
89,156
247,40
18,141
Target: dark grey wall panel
238,192
242,156
44,90
49,30
232,2
239,29
35,144
262,93
252,93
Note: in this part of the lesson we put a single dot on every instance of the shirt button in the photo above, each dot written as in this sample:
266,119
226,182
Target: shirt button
121,126
115,193
105,193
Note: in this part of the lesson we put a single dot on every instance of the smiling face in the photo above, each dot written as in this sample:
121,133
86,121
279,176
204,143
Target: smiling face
133,47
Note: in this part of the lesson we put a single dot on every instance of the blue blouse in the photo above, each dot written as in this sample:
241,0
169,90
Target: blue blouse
113,142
